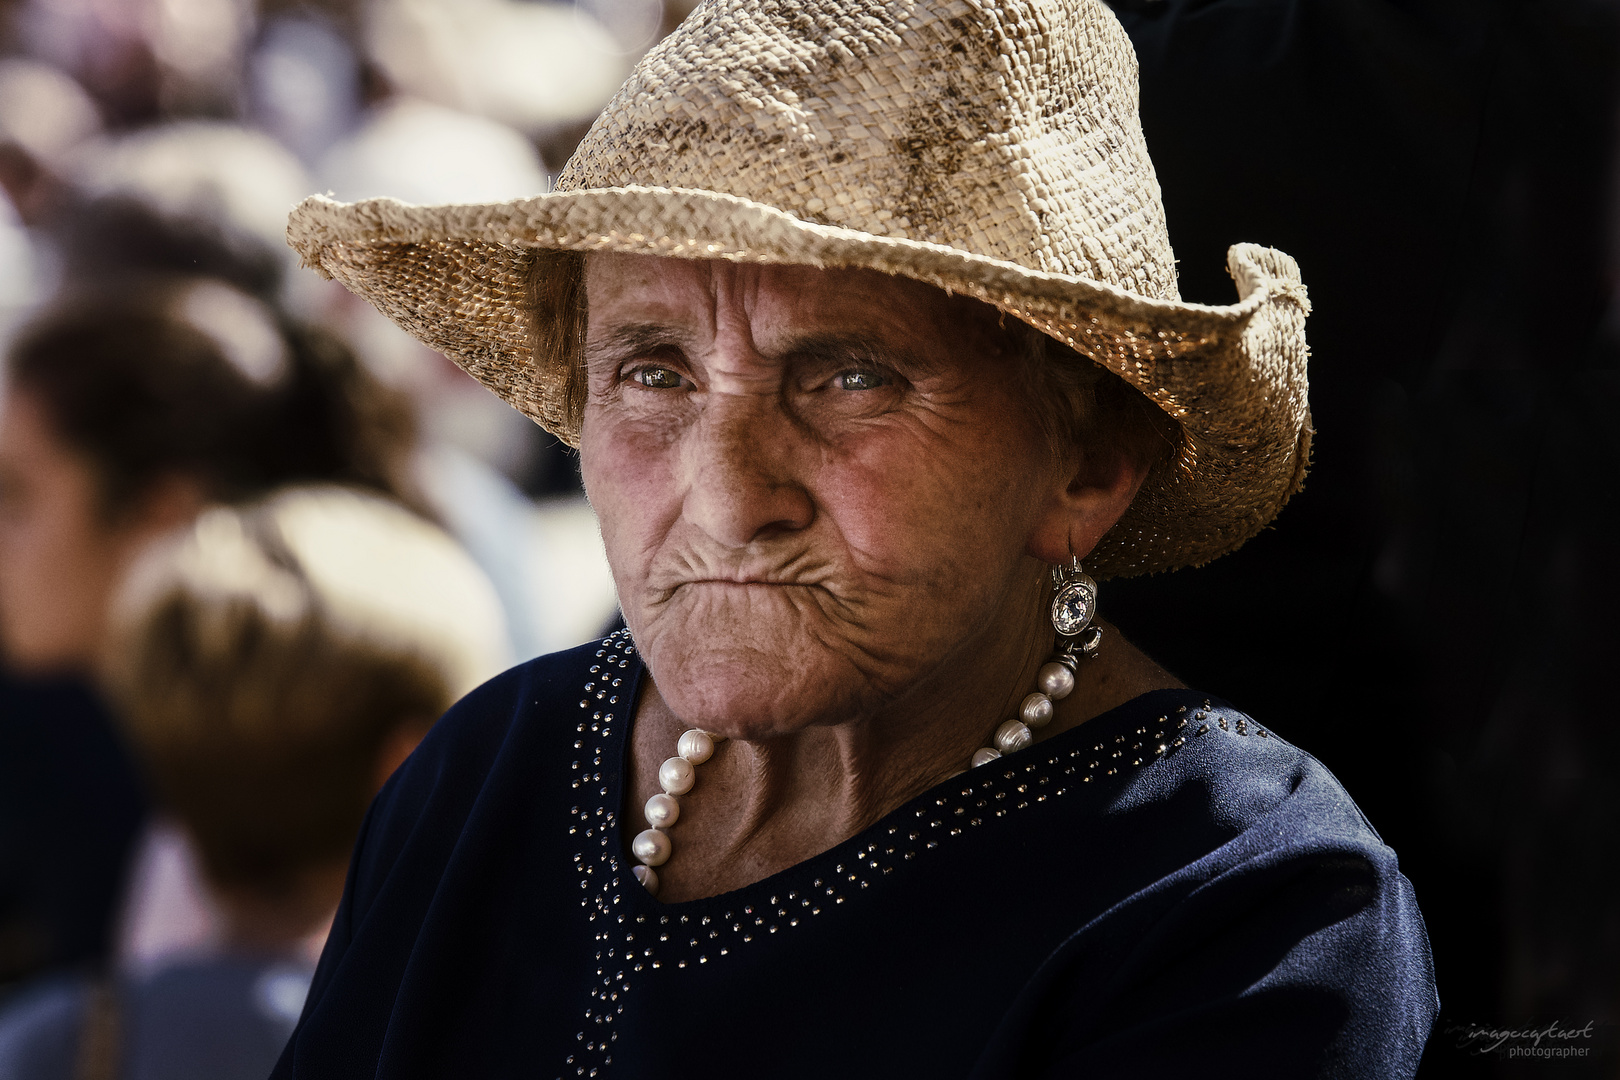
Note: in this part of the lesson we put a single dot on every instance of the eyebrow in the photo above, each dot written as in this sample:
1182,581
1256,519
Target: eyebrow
838,347
631,339
827,347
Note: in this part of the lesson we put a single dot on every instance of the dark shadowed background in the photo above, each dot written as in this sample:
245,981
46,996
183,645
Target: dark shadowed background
1433,616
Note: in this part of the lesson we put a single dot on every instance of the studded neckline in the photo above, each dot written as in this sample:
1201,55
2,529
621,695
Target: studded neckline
1084,760
635,933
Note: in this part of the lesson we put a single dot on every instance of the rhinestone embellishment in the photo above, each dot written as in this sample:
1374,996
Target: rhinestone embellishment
1074,606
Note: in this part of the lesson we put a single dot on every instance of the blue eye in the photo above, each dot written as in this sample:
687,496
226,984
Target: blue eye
658,378
860,380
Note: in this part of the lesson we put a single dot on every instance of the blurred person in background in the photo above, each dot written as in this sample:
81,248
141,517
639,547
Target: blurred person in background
144,59
197,198
209,197
123,161
120,212
44,117
124,415
274,664
373,98
121,415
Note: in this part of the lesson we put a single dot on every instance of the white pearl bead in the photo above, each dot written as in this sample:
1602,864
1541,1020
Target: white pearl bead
1055,680
676,776
1013,736
695,746
662,810
647,876
651,847
1036,711
984,755
715,737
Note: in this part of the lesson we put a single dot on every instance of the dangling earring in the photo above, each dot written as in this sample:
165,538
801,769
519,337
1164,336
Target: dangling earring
1074,605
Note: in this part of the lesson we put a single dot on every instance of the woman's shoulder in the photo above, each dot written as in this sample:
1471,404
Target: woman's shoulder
492,752
1228,773
1187,803
1237,883
489,710
508,715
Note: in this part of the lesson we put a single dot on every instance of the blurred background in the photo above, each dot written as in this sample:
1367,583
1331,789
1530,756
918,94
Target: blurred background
1433,616
167,356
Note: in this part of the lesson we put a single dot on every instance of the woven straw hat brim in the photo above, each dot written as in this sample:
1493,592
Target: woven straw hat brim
1233,377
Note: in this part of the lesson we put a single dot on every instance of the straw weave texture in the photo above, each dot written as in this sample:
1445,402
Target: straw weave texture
989,149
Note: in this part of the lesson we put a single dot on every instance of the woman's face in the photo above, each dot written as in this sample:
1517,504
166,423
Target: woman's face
816,488
59,556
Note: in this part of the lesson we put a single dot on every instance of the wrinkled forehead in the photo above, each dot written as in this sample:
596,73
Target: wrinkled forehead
705,297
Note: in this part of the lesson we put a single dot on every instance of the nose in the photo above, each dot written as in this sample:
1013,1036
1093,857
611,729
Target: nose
742,484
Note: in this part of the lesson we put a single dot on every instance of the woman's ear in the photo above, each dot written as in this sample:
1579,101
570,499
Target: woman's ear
1087,500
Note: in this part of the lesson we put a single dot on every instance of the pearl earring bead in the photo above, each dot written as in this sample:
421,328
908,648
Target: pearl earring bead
676,776
662,811
1054,682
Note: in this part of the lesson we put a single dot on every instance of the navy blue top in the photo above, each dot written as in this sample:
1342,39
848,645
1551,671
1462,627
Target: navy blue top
71,808
1166,890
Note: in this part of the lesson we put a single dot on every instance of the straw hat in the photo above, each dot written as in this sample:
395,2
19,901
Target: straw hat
988,149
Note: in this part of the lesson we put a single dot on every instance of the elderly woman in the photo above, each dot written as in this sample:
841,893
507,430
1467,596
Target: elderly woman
864,319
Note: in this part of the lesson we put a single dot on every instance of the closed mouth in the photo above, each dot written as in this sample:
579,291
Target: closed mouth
750,583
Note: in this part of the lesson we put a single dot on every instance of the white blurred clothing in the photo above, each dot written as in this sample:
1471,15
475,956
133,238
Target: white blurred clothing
420,152
44,111
168,912
303,84
545,559
533,66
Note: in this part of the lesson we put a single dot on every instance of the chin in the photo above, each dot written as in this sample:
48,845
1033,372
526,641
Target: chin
758,686
741,694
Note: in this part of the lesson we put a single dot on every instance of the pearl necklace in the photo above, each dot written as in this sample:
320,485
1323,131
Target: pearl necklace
1053,682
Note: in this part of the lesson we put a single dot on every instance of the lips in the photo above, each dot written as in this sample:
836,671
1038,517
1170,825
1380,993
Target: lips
751,583
738,587
669,574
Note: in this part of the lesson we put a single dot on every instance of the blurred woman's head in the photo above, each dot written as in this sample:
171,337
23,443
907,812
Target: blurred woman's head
274,662
124,412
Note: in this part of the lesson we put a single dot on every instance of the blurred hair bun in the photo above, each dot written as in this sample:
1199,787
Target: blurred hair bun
370,572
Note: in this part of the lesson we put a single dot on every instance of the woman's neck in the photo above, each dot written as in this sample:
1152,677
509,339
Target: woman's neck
760,807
